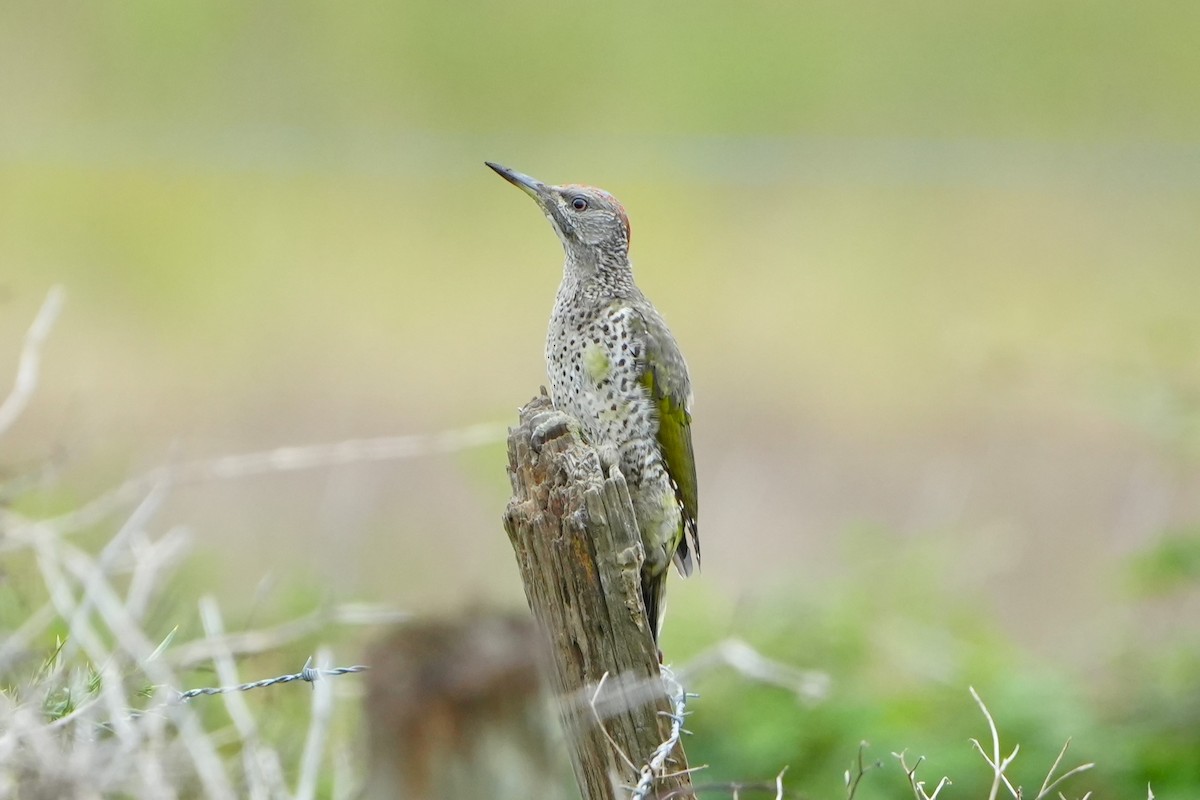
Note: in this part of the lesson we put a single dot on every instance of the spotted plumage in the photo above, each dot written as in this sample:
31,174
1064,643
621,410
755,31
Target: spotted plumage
614,366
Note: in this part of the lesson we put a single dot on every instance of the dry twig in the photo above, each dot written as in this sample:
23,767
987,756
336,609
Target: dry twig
1000,766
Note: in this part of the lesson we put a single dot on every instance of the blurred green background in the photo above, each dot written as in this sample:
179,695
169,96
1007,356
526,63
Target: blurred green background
935,267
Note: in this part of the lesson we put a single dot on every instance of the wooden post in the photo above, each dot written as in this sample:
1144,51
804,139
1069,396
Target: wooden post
577,545
455,709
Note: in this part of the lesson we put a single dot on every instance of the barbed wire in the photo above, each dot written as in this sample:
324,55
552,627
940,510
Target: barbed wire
308,674
658,759
289,458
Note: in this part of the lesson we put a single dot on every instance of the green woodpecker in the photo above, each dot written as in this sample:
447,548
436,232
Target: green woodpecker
615,367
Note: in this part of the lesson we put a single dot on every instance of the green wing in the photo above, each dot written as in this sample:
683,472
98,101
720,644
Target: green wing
665,376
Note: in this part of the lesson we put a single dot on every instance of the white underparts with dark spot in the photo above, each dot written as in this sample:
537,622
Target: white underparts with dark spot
594,360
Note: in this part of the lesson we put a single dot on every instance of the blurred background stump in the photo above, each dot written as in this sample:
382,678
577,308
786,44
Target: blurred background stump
455,709
577,545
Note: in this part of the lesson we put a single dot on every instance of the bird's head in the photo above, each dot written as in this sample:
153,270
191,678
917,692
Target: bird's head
591,223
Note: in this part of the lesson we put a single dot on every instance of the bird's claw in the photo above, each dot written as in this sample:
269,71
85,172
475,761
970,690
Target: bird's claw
610,459
550,425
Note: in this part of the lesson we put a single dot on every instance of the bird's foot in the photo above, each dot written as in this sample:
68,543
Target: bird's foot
551,425
610,459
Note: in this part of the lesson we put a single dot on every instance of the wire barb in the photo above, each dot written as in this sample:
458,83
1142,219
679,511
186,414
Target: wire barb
654,766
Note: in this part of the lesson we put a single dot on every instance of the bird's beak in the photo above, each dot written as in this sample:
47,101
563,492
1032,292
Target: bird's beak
530,186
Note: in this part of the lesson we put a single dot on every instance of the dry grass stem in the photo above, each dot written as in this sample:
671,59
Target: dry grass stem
243,465
263,772
918,786
318,731
853,777
30,360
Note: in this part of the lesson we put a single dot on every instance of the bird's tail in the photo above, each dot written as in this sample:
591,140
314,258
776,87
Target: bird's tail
654,592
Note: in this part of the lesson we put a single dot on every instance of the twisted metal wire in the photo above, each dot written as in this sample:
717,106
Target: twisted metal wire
308,674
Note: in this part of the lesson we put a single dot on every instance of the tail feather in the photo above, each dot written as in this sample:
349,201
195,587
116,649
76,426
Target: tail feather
654,591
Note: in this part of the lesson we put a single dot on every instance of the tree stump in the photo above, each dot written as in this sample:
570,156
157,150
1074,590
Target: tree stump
577,544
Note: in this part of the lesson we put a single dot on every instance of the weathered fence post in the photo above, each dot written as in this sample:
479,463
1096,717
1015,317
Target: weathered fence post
577,545
455,708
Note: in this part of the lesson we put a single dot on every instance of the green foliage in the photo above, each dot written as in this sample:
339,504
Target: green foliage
1170,565
899,652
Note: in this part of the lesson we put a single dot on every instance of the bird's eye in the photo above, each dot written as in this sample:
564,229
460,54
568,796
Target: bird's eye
579,204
